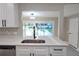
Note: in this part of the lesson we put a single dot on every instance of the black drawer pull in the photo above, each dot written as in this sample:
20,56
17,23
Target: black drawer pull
33,54
30,54
58,49
50,54
4,23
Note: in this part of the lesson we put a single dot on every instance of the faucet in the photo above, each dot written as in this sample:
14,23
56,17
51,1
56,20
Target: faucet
34,32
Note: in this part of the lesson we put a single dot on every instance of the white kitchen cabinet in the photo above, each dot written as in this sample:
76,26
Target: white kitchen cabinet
57,51
9,15
23,51
40,51
2,13
0,16
31,51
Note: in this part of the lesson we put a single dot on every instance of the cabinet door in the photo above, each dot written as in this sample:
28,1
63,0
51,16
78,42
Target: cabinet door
40,51
58,51
9,13
12,17
3,13
0,15
23,51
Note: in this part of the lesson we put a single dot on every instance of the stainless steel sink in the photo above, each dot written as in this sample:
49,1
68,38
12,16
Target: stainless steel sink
33,41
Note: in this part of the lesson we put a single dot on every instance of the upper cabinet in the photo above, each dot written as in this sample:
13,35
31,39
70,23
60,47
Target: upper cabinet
9,15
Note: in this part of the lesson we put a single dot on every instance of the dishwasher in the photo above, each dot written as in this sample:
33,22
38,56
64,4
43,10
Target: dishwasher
6,50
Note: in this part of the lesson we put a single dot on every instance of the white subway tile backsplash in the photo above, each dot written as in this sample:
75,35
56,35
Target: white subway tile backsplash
8,32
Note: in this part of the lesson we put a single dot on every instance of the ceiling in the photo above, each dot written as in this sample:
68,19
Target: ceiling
48,9
71,9
41,6
41,13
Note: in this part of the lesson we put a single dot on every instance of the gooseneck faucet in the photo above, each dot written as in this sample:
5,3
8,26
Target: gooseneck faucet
34,32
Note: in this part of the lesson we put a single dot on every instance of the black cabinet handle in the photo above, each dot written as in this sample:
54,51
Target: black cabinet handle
58,49
50,54
4,23
33,54
30,54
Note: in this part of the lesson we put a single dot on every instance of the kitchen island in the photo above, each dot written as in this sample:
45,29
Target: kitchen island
51,47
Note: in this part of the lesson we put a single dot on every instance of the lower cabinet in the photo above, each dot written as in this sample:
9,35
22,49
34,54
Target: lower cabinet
40,51
57,51
31,51
23,51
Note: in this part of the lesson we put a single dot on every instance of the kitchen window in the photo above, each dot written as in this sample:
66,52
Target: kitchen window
41,29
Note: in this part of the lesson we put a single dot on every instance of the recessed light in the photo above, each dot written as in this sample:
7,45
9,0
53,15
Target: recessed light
30,13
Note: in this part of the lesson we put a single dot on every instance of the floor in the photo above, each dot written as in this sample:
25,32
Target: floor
71,51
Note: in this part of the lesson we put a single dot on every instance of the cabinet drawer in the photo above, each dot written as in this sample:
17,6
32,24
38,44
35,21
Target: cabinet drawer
58,51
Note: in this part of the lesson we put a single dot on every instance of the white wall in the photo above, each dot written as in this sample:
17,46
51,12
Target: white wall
46,7
71,9
41,7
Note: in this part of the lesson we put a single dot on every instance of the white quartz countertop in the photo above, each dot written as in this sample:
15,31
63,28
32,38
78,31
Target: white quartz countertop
17,41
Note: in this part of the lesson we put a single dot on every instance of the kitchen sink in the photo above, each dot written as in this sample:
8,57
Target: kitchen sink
33,41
